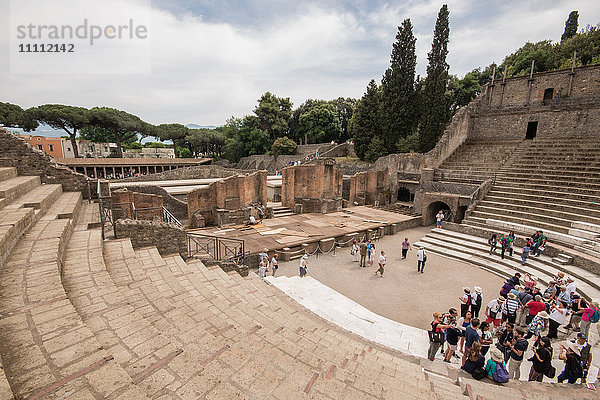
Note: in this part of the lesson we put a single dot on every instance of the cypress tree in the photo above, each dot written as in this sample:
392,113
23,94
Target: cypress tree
436,110
398,89
365,124
571,26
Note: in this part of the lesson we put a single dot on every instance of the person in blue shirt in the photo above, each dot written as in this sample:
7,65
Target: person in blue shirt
471,336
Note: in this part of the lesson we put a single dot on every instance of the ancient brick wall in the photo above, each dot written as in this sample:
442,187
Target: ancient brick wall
584,81
370,187
168,238
16,152
175,206
318,187
147,206
196,172
572,121
232,194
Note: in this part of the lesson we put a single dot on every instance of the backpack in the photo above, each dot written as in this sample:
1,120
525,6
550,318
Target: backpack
500,373
595,317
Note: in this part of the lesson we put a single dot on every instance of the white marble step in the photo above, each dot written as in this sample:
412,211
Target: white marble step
586,226
351,316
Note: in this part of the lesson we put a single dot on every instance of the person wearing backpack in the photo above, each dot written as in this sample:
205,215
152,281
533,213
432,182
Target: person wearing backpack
495,367
573,369
585,352
504,243
590,315
476,300
541,361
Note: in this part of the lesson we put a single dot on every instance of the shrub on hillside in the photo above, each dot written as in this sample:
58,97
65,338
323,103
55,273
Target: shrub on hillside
282,146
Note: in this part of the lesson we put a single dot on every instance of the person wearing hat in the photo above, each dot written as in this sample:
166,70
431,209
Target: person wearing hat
585,353
573,370
465,301
421,259
570,286
303,265
536,326
535,306
476,300
551,290
558,316
541,361
496,358
493,312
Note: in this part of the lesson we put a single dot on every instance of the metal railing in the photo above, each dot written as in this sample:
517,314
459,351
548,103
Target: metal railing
154,213
222,249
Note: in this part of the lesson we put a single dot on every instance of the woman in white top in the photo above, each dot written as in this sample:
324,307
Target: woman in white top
558,316
303,265
462,324
355,250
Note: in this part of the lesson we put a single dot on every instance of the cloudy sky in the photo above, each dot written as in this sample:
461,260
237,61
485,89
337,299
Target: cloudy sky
211,59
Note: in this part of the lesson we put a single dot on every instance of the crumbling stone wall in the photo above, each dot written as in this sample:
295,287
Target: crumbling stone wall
16,152
168,238
233,195
177,207
314,188
370,187
141,201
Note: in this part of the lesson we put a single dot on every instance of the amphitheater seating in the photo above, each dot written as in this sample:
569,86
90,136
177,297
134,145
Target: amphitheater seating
476,160
551,184
87,318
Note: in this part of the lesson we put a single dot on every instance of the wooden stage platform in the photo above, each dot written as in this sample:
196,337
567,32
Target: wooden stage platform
292,231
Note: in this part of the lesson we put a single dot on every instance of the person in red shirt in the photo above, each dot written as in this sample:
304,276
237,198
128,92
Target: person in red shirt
535,306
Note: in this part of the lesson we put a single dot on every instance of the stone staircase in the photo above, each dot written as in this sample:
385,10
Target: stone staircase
551,184
476,160
86,318
281,211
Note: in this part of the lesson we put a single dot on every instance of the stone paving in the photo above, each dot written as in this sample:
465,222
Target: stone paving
403,295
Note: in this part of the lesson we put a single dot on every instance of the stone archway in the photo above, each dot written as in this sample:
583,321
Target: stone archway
432,210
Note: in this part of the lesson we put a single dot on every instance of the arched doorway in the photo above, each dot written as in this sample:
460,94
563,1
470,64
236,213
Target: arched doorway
434,208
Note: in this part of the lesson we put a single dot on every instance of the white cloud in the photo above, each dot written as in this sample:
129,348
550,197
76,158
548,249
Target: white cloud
204,71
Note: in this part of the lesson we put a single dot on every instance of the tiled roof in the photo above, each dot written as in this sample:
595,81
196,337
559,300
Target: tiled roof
101,162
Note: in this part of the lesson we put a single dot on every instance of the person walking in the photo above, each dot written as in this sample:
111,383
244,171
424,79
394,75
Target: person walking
262,269
517,350
274,263
405,247
476,301
363,253
355,250
493,242
303,265
541,361
421,259
382,261
525,254
439,219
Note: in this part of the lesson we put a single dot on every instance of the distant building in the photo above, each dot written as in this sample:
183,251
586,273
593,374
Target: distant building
149,152
52,146
96,150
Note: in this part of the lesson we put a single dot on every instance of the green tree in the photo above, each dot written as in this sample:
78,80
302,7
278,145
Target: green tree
124,127
13,116
59,116
571,26
436,110
519,62
320,123
273,114
344,108
461,91
399,116
283,145
365,124
174,132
